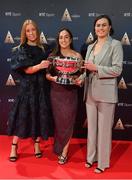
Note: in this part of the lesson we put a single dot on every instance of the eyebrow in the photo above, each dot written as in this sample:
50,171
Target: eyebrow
64,35
101,24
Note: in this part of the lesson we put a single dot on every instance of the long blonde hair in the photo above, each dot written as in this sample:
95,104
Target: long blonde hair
23,38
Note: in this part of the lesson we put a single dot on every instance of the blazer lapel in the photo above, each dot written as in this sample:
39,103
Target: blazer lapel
89,51
104,50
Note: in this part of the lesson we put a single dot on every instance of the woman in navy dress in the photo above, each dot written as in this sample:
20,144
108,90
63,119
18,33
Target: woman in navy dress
30,114
64,93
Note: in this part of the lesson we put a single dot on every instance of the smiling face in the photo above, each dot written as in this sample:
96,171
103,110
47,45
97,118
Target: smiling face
64,39
31,33
102,28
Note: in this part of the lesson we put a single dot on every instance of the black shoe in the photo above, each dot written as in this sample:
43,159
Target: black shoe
88,165
14,158
62,160
99,170
37,154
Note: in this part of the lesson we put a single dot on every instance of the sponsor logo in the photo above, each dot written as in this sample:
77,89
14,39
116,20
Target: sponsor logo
66,16
46,14
8,59
127,14
128,125
42,38
11,100
124,105
51,39
9,14
75,38
122,84
125,40
94,14
17,38
9,38
10,81
129,84
75,16
119,125
89,38
127,62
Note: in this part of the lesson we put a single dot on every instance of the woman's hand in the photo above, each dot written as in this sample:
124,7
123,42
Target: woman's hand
90,66
33,69
79,82
44,64
54,78
51,78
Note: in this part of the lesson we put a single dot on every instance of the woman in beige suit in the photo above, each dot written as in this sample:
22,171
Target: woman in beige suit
103,61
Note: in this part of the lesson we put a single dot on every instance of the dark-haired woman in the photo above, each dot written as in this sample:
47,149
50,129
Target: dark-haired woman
64,93
104,62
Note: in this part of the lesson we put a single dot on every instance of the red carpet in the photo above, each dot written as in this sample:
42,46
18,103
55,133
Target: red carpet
28,167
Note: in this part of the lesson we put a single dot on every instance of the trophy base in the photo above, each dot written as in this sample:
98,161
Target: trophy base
69,81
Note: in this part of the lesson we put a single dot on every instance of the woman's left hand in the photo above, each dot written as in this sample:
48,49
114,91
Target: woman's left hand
79,82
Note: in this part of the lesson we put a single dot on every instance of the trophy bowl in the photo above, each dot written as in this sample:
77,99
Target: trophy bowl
68,69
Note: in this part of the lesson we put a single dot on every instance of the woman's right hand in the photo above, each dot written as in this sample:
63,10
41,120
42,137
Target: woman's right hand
90,66
44,64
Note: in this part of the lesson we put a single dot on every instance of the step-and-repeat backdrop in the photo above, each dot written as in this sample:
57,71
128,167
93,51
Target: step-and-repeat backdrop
78,16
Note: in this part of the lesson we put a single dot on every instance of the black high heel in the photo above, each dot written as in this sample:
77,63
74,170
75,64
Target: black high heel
88,165
14,158
39,154
62,159
99,170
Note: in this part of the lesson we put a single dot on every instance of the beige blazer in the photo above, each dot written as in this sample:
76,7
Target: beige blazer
103,84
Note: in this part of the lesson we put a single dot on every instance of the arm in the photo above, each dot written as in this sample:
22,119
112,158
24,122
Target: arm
116,68
21,62
112,70
80,80
50,71
33,69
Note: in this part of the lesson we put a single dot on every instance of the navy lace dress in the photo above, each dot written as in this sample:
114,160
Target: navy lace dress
30,115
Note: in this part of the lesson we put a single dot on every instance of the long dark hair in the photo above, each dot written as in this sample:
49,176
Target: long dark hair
56,50
109,21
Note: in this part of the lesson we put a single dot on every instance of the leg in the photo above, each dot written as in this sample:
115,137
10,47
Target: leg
105,122
63,156
13,154
92,132
65,149
38,153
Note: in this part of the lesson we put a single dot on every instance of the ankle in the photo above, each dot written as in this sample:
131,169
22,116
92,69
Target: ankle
37,146
14,145
38,153
64,154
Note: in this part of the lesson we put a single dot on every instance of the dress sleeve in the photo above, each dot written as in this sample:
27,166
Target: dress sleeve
48,50
20,59
51,68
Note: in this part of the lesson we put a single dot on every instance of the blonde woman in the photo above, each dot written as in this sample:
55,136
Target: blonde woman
29,116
